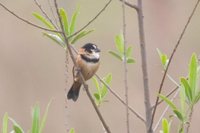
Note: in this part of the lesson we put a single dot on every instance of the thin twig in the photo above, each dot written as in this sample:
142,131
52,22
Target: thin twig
92,20
120,99
130,5
80,74
26,21
125,67
144,67
170,59
67,79
44,13
52,12
164,112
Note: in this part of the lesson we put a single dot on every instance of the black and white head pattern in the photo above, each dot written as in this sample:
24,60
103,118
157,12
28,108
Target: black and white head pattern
93,53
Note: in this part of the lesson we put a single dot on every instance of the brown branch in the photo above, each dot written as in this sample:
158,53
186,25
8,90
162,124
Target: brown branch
80,74
130,5
44,13
125,67
92,20
189,120
170,59
144,67
26,21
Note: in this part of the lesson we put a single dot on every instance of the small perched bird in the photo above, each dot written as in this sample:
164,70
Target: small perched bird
87,63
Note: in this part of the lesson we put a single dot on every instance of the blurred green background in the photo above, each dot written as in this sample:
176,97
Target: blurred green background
32,67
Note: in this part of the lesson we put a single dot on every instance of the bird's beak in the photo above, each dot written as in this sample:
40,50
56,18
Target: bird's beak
98,50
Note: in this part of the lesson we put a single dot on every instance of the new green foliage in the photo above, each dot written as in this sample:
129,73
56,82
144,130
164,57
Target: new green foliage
16,127
163,58
72,130
44,20
165,126
102,90
38,122
68,25
5,123
119,54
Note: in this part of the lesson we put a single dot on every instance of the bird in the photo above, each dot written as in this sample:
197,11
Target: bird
88,61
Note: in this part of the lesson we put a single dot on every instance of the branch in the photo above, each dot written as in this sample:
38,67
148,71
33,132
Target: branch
189,121
170,59
80,74
125,67
144,67
93,19
130,5
26,21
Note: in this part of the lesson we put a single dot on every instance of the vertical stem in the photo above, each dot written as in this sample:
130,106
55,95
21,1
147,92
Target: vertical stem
144,67
66,74
125,68
189,120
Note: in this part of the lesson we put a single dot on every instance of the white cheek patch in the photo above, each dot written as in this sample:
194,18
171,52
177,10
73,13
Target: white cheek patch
96,55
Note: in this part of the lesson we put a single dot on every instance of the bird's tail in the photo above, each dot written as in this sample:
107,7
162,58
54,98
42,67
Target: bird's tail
74,91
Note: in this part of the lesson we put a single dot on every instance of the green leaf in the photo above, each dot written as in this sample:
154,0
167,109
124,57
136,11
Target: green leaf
64,19
96,95
104,91
182,99
80,35
5,123
73,21
107,79
119,43
17,128
170,103
129,51
72,130
163,57
115,55
55,38
165,126
43,20
188,90
96,84
179,115
44,118
36,119
197,97
193,73
130,60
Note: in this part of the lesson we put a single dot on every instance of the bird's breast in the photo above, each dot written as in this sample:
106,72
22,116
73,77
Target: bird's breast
88,69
